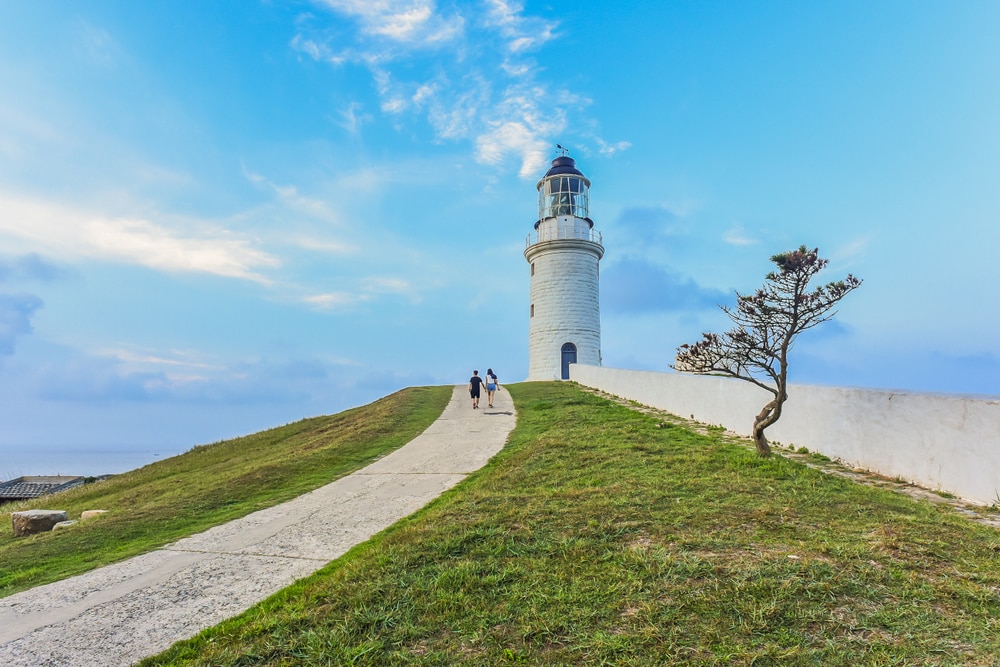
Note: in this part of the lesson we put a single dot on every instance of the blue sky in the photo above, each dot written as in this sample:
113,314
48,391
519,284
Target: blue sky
220,217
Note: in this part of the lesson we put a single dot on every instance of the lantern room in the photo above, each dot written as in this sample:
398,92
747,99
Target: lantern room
564,190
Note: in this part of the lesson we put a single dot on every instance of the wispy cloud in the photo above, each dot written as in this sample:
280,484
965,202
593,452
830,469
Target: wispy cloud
611,149
378,285
329,246
155,370
143,242
332,300
506,137
522,32
352,118
412,22
852,251
738,236
292,200
61,231
365,290
486,90
313,49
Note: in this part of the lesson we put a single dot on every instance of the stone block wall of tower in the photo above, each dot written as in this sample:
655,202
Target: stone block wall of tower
565,305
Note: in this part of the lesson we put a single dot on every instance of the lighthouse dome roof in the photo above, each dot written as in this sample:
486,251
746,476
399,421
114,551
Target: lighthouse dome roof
563,164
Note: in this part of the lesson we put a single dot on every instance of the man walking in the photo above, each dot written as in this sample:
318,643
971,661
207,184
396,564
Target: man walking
475,382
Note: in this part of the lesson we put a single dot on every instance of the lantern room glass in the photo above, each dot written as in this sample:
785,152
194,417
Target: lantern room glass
563,195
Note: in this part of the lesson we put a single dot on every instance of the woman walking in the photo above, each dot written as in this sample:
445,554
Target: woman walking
492,384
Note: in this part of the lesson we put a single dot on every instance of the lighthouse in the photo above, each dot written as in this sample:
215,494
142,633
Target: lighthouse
563,253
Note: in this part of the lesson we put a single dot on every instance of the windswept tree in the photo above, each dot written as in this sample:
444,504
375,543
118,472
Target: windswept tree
767,323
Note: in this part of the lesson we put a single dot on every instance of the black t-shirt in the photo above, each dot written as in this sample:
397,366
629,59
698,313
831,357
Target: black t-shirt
476,381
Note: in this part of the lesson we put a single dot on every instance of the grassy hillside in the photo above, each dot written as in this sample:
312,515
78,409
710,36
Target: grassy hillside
598,537
209,485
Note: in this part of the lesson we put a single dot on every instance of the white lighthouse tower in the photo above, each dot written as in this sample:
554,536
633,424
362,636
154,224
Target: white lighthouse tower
563,252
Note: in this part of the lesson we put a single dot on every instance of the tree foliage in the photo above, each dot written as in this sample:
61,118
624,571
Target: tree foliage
767,322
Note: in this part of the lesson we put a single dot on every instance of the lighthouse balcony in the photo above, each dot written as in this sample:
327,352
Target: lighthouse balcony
564,232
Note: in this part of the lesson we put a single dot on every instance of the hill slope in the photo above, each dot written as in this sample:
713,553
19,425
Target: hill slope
209,485
599,537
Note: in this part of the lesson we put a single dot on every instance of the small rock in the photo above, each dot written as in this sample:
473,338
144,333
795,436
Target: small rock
90,514
30,522
63,524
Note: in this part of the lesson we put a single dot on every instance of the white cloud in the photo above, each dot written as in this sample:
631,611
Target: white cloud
522,32
378,285
323,245
368,289
518,119
522,126
516,69
853,251
59,231
513,137
309,47
352,118
291,199
143,242
736,235
411,22
401,25
424,94
386,285
159,370
394,105
458,114
333,300
611,149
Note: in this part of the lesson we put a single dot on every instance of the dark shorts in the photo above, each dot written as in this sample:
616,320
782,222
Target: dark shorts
474,392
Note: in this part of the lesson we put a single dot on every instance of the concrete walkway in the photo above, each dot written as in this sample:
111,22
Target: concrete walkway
121,613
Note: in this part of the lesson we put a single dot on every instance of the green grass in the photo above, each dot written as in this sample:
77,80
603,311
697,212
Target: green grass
209,485
599,537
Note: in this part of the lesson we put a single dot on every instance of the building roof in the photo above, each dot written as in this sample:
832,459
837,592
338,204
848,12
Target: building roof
35,486
563,164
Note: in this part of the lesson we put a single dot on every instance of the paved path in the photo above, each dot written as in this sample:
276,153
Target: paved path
121,613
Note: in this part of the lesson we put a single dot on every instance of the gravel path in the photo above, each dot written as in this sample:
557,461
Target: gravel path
121,613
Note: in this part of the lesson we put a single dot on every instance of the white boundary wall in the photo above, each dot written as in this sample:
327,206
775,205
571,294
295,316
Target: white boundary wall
942,442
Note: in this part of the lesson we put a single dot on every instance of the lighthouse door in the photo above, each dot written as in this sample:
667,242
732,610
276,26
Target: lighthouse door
568,357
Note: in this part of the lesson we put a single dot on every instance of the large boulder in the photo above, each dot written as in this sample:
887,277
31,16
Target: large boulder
30,522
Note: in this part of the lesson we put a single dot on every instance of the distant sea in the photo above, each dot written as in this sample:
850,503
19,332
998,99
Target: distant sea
86,461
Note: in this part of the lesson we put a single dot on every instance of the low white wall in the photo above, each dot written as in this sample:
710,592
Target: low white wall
947,443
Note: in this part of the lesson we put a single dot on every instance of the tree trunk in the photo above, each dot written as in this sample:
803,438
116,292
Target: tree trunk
767,416
763,449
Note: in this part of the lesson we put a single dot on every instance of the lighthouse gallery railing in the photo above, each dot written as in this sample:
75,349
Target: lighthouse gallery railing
560,233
